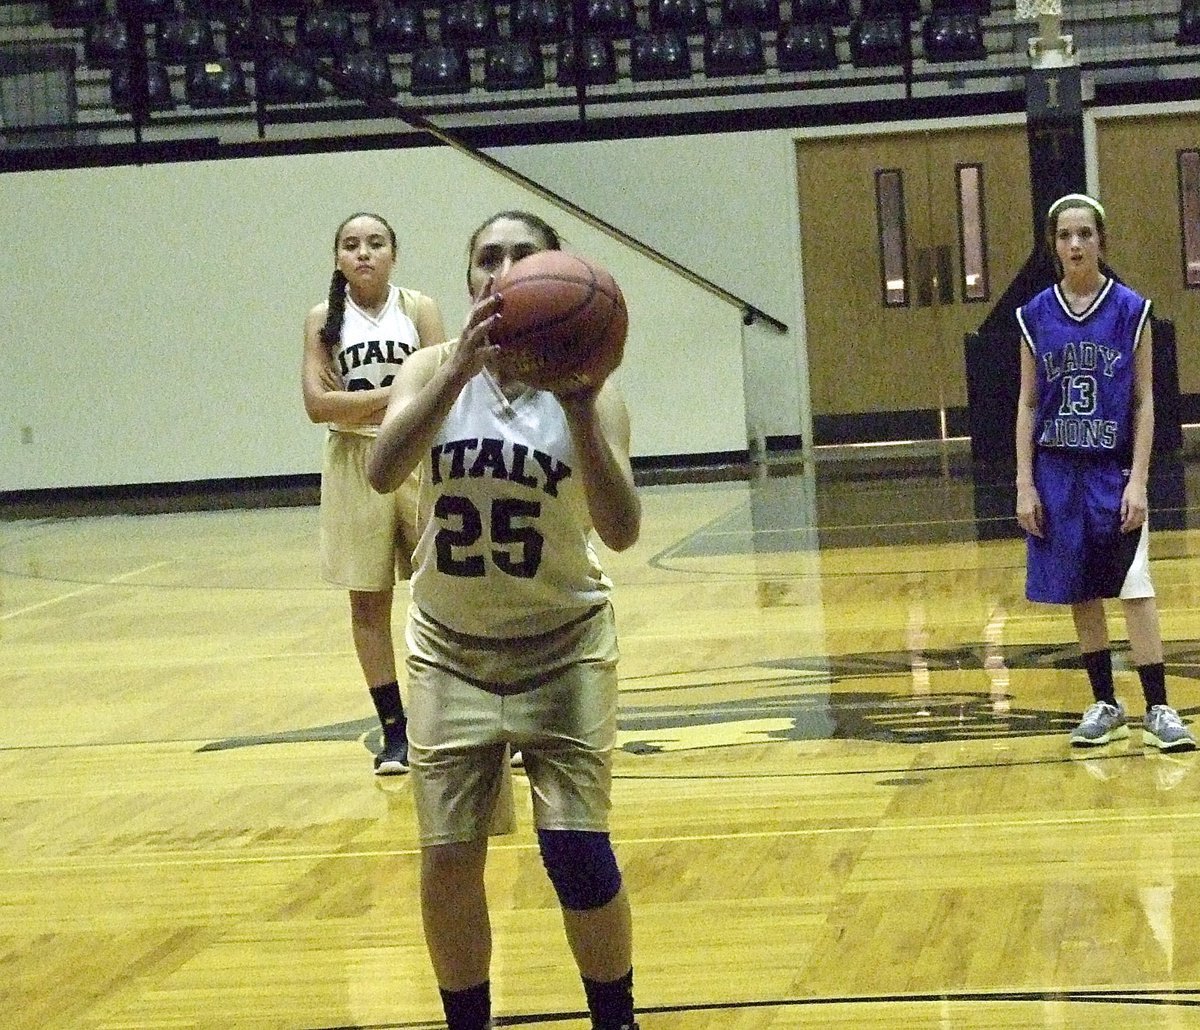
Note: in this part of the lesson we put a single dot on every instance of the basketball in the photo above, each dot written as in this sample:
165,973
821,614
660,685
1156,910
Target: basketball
562,322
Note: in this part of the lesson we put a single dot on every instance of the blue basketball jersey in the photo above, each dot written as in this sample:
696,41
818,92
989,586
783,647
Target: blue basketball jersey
1085,370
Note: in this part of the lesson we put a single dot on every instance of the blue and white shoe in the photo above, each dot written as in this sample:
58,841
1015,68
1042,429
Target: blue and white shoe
1163,728
1101,724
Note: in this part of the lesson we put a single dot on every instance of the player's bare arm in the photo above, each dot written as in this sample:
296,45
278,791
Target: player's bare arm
325,400
1134,502
428,320
1029,504
422,394
599,424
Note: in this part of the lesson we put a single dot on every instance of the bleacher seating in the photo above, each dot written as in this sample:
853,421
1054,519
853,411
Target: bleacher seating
254,36
830,12
652,49
594,62
438,69
280,7
514,64
877,9
611,17
762,14
215,83
876,42
399,28
218,10
370,72
689,16
183,38
953,36
74,14
660,55
734,50
469,23
1189,23
980,7
545,20
158,87
145,10
325,31
806,47
282,79
106,43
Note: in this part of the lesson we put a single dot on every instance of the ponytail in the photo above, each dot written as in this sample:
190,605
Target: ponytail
331,331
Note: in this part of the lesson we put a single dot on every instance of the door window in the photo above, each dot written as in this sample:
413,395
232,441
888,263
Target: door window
972,234
1189,215
893,258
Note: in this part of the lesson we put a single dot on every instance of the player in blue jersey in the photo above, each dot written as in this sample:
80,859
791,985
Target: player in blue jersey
511,635
1085,424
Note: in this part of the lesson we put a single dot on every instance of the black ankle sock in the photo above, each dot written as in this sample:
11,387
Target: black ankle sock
1100,674
1154,684
469,1009
610,1002
390,708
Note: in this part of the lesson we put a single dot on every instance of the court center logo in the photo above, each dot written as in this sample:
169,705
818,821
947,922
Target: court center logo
928,696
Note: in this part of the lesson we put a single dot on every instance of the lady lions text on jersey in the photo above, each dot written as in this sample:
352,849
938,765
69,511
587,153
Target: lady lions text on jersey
1085,368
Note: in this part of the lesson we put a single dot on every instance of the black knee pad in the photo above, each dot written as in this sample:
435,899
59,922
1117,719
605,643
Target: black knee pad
582,867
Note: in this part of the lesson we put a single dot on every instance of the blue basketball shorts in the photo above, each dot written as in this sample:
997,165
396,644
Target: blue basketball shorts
1084,555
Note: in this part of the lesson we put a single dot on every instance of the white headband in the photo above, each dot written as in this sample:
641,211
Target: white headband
1075,199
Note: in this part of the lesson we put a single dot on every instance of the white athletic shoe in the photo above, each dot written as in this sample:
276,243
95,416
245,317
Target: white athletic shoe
1163,728
1101,723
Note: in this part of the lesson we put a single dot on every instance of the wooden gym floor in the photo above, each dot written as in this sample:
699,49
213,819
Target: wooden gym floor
844,796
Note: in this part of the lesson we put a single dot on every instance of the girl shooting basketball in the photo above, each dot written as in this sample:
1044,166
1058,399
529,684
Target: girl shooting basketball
1085,421
354,343
511,635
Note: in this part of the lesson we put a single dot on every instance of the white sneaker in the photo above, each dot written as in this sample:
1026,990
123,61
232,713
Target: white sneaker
1163,728
1101,723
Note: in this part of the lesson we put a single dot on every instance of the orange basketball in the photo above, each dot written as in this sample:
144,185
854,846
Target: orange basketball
562,322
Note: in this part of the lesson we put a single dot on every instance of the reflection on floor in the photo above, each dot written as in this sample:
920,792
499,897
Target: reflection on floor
905,499
844,796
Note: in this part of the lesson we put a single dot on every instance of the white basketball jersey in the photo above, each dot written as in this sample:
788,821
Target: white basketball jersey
505,548
373,347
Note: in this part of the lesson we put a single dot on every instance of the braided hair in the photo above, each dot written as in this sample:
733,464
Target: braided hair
331,331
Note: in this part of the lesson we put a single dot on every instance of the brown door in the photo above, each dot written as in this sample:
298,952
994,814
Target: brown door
1139,163
906,241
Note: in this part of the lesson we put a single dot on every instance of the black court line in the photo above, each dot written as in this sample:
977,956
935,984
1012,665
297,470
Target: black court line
902,770
1180,997
206,746
899,770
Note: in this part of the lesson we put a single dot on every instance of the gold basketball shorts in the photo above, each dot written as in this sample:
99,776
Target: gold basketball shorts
470,699
367,538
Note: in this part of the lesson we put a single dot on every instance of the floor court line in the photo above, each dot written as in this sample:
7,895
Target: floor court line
195,858
89,589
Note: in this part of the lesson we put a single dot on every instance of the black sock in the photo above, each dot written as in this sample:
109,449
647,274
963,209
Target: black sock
390,709
470,1009
610,1002
1099,670
1154,684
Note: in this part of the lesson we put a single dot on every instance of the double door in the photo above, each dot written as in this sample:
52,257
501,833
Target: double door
907,240
1150,186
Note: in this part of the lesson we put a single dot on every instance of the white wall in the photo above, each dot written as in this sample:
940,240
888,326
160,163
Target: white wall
154,313
723,205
